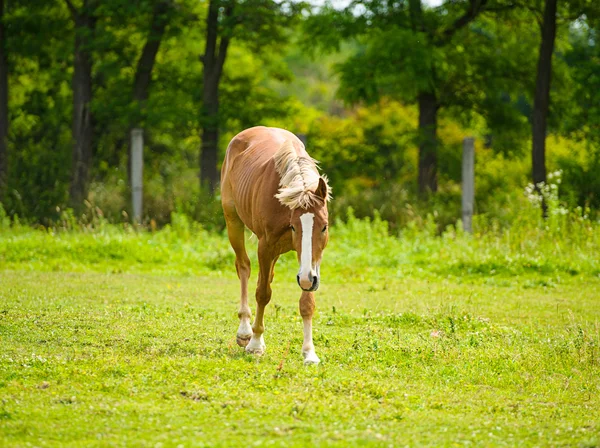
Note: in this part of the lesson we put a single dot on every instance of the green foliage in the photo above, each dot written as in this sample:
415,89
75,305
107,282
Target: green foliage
481,70
40,101
374,145
4,219
483,75
39,107
370,156
582,162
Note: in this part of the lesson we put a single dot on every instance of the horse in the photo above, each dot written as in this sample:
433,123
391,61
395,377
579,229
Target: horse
271,185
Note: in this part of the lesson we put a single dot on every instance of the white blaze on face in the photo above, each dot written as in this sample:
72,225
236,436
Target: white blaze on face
307,221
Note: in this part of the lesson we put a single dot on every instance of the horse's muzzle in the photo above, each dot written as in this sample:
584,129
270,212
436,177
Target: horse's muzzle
315,283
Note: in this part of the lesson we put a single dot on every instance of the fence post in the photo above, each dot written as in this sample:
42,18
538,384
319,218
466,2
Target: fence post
468,183
137,172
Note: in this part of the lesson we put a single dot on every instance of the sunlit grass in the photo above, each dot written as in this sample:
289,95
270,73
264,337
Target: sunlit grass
114,337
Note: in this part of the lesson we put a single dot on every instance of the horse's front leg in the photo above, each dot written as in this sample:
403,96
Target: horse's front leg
307,309
266,264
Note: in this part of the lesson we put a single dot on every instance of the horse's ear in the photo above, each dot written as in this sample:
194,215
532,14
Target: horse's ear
321,190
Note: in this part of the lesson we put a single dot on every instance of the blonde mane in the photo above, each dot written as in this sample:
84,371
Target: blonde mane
299,178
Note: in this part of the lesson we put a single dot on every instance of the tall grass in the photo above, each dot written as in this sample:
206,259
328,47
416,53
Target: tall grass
567,242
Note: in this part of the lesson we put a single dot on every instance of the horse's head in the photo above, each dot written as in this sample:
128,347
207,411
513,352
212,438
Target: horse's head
310,233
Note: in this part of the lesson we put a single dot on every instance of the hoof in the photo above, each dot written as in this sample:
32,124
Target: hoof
256,346
258,351
311,359
243,339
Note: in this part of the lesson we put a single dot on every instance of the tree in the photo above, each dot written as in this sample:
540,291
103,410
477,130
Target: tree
143,73
39,46
427,56
261,26
83,123
215,53
580,120
570,11
542,96
3,104
142,70
428,108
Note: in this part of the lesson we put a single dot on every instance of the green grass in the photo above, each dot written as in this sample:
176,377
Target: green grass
117,338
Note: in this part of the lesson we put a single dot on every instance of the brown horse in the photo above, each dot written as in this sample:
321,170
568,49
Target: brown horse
271,185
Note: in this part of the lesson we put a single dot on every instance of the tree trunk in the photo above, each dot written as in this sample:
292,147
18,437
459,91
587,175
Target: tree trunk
82,114
416,15
3,106
428,107
143,72
542,97
213,68
209,176
428,102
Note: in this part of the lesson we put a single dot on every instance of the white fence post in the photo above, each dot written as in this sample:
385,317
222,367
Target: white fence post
468,183
137,172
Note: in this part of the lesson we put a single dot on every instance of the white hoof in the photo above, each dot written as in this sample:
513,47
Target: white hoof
256,346
243,339
244,333
311,358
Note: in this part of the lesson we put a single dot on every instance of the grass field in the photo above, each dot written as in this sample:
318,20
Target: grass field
117,338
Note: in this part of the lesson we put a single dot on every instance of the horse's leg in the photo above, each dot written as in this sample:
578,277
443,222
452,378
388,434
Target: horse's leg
235,230
266,263
307,309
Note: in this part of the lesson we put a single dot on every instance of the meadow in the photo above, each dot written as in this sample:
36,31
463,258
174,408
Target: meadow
116,336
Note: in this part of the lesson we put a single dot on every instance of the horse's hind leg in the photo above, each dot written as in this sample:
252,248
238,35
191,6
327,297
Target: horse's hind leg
235,230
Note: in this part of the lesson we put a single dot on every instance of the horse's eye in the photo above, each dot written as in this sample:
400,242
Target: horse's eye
324,229
293,228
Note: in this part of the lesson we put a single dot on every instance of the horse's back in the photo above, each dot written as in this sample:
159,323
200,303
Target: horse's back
250,153
258,145
248,170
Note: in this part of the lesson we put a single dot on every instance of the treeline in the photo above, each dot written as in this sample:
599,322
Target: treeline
385,92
